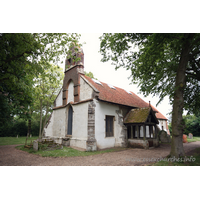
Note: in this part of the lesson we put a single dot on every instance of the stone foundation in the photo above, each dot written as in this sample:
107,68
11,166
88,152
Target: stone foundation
134,143
91,145
77,142
58,140
66,141
145,144
154,142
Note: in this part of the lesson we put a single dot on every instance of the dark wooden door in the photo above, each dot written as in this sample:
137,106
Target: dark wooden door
70,120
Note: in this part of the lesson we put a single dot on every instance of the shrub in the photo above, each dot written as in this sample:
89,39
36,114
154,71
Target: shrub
19,127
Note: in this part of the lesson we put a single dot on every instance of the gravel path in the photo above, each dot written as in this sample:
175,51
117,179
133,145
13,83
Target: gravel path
9,156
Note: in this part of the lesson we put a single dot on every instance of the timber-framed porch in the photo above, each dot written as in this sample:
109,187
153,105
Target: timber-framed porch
142,130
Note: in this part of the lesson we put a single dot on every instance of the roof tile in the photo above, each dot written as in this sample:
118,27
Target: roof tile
139,115
120,96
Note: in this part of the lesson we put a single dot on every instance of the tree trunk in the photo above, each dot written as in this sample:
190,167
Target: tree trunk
178,104
44,123
29,127
40,133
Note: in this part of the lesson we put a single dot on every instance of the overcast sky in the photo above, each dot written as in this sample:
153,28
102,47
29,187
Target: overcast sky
106,72
107,16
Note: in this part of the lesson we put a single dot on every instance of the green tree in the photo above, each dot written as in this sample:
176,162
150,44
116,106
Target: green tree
47,87
90,74
21,57
16,73
192,124
164,64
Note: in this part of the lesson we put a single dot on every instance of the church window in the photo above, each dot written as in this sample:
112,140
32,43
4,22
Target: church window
109,126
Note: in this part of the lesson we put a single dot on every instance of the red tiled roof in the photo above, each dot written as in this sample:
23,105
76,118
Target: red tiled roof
117,95
158,114
120,96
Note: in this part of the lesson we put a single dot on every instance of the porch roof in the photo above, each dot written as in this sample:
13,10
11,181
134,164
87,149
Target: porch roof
140,115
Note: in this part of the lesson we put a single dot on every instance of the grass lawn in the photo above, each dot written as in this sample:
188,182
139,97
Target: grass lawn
14,140
194,139
68,152
65,152
195,161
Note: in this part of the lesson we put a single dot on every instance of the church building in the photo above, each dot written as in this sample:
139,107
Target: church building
93,115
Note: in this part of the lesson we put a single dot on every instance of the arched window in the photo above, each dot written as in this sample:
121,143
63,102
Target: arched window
70,121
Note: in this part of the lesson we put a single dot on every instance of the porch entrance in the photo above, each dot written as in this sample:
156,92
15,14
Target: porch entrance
142,127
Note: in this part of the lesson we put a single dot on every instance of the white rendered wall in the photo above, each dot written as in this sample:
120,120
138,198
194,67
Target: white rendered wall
59,122
85,90
101,110
49,129
162,123
70,92
59,99
80,125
